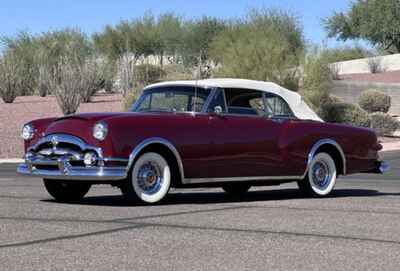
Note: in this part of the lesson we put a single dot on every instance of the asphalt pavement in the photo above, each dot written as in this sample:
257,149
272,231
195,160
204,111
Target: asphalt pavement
270,228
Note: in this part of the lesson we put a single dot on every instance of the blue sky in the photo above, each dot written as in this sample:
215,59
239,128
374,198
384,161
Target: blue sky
92,15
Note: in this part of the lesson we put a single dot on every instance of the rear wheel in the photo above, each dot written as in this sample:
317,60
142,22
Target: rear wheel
150,179
321,176
66,191
236,189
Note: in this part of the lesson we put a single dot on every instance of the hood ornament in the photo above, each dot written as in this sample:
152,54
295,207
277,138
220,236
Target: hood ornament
54,141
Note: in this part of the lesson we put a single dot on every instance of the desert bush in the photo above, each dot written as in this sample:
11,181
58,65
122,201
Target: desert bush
66,43
374,101
24,47
66,84
335,99
92,78
177,72
148,74
384,124
126,69
108,86
10,79
339,54
345,113
109,76
131,97
375,65
335,70
266,46
316,83
43,81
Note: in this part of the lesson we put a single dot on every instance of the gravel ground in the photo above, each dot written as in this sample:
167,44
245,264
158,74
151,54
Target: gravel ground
14,116
272,228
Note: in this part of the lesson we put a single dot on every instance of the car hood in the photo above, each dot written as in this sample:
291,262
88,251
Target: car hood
94,117
80,125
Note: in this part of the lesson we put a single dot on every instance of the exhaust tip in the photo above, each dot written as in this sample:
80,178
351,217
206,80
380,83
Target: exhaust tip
384,167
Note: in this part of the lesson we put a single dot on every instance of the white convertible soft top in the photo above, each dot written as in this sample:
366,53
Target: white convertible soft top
294,100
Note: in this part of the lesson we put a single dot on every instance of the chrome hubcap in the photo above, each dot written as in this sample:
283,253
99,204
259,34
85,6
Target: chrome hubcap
149,178
321,174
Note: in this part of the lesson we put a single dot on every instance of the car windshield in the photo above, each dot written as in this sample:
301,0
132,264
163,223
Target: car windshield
172,99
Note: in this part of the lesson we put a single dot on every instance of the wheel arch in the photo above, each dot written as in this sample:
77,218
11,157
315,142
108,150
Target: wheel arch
164,148
331,147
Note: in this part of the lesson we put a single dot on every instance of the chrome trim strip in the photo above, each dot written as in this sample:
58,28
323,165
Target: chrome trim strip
60,138
115,159
240,179
320,143
156,140
75,173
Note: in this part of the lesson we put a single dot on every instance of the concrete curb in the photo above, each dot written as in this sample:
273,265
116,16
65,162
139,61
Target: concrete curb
391,146
11,161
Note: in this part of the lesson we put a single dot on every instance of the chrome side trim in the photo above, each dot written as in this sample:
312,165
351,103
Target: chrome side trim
320,143
156,140
240,179
115,159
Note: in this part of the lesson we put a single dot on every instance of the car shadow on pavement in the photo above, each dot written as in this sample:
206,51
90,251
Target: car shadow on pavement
181,197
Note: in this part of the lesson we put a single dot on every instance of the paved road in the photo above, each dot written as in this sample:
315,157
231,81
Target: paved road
358,228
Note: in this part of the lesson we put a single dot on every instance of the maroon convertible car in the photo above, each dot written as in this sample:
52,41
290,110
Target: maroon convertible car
228,133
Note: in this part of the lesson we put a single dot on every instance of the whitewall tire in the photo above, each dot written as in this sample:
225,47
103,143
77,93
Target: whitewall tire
150,179
321,176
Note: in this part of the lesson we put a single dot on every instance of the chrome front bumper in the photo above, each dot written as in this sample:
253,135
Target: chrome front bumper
60,156
75,173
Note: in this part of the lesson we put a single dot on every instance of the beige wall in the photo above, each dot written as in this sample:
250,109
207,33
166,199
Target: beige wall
388,63
350,91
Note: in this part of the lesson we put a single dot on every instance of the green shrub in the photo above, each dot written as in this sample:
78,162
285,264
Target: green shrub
316,83
177,72
147,74
265,46
384,124
10,77
335,99
346,113
332,55
23,46
374,101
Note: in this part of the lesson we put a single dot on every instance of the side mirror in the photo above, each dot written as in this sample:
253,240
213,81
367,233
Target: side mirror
218,110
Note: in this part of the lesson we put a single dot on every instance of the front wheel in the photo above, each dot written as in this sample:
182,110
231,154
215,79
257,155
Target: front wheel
321,176
66,191
150,179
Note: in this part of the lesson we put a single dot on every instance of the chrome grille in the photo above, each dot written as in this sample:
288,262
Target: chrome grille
53,150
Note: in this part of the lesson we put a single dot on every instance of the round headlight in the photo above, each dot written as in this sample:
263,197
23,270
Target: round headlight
100,131
28,132
90,159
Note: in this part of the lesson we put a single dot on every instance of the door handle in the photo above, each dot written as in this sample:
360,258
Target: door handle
278,120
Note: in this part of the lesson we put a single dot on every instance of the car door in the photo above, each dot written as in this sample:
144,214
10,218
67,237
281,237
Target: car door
246,140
